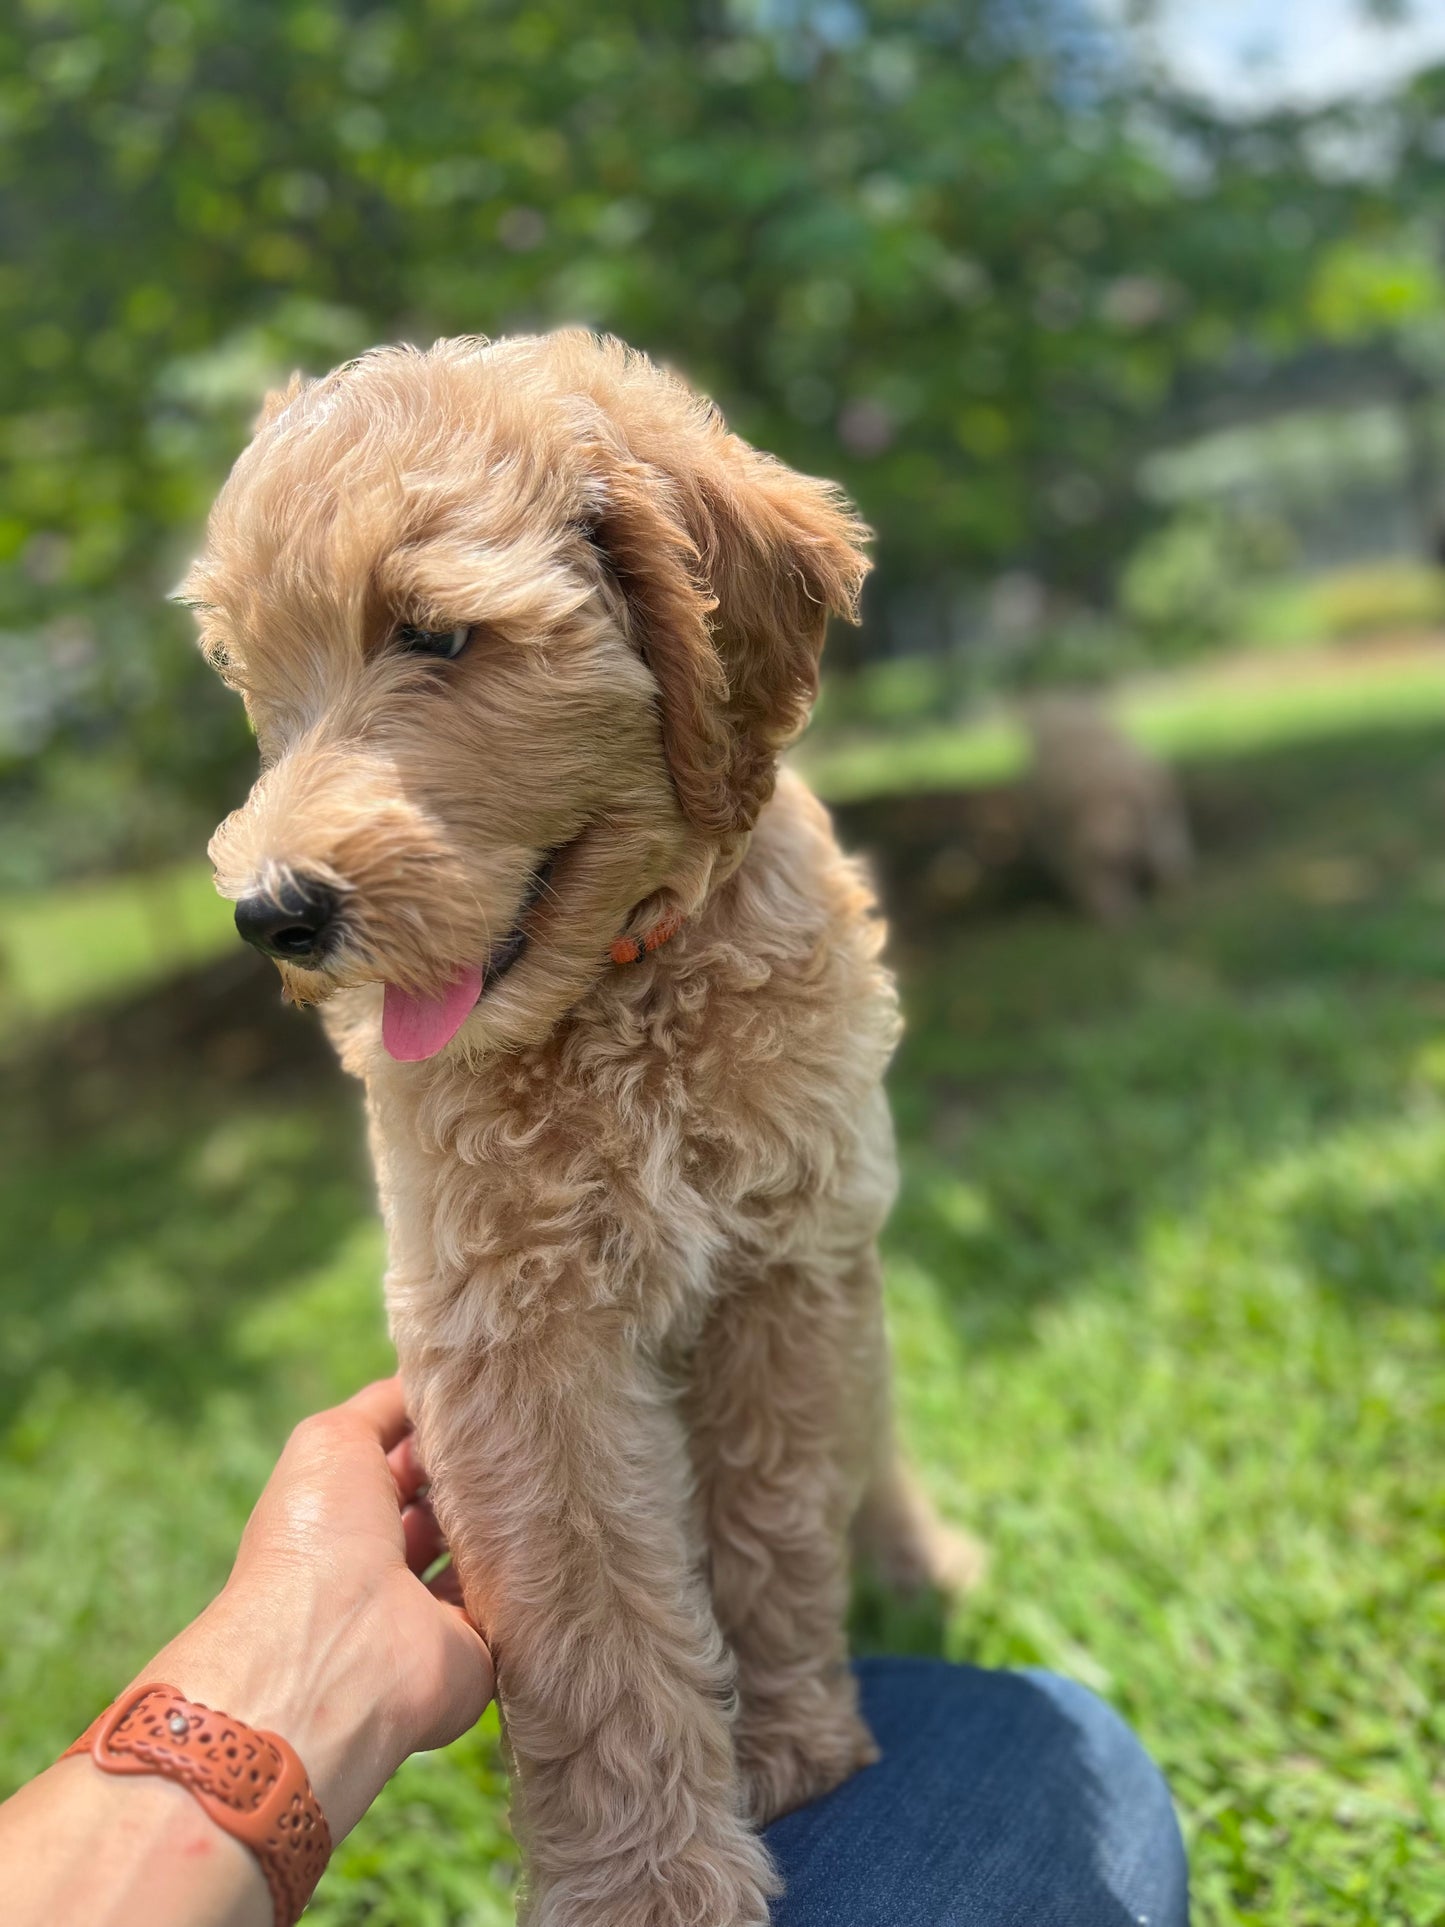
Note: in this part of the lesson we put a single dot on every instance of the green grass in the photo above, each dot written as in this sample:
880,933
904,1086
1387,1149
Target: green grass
61,948
1167,1286
1371,599
1219,709
191,1263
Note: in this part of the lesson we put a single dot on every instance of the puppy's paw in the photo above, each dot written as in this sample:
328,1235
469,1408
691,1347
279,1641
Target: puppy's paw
721,1878
931,1557
785,1759
900,1540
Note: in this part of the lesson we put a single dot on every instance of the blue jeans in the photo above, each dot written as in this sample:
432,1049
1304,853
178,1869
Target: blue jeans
1001,1800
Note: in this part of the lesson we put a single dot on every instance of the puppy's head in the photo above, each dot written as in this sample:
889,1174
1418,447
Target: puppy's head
521,629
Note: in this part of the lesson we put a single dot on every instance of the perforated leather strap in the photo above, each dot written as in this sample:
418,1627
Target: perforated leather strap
250,1783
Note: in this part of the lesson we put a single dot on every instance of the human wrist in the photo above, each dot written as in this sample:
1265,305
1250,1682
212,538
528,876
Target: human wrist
313,1685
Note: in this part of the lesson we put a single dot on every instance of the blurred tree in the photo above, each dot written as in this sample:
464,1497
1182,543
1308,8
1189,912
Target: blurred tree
962,255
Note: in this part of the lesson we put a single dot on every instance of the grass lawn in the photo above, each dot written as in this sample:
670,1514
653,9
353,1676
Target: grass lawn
1167,1286
1258,699
60,949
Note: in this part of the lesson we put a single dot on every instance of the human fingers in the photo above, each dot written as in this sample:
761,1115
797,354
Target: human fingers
424,1541
381,1408
407,1470
466,1681
334,1477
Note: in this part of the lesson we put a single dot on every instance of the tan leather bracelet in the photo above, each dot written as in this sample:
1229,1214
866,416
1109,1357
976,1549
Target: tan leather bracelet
250,1783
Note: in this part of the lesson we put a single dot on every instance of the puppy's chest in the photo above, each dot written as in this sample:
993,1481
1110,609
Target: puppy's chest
551,1188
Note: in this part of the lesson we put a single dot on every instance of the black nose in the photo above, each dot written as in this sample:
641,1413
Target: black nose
296,923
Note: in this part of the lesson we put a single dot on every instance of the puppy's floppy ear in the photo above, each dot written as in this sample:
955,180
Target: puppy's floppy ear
656,564
781,552
278,400
731,565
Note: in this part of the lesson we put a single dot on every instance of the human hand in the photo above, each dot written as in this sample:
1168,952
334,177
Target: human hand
325,1632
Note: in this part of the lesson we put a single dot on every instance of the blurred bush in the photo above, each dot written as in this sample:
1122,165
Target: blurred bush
972,257
1187,587
1383,599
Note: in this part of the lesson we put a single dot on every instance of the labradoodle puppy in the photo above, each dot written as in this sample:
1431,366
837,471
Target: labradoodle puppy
522,630
1105,818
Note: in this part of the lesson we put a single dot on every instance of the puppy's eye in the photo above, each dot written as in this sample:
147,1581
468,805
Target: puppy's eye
446,643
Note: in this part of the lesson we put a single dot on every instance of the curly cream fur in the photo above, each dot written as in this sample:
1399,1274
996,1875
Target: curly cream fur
631,1212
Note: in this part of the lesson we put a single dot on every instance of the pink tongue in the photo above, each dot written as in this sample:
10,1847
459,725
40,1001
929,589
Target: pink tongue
416,1027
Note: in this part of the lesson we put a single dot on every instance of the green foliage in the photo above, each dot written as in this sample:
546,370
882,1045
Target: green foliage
1186,587
1379,601
1361,286
840,234
958,255
1388,602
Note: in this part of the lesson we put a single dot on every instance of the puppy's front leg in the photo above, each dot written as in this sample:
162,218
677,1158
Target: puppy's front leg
559,1475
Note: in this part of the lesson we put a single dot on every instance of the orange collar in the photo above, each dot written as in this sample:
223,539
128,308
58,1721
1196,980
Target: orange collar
629,950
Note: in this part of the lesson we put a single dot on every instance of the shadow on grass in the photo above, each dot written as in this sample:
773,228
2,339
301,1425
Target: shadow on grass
880,1621
959,858
167,1163
1065,1090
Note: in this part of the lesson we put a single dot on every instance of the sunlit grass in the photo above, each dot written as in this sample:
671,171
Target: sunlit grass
179,1286
1168,1291
62,948
1217,710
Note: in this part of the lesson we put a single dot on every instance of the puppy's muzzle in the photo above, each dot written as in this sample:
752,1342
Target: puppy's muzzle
298,923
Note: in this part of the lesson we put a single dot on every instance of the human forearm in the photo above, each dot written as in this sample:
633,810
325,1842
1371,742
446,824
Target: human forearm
325,1636
292,1664
139,1850
81,1849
